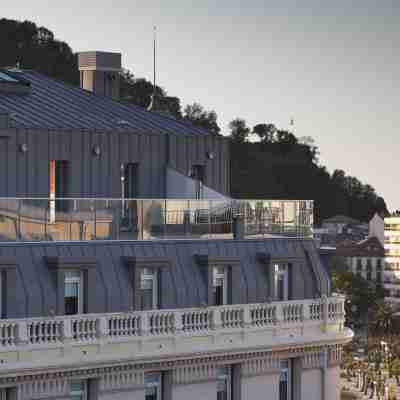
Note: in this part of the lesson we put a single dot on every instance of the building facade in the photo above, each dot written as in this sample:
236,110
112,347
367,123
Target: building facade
104,295
392,253
365,258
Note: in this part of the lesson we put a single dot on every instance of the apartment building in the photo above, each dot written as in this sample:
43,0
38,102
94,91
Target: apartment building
127,271
392,257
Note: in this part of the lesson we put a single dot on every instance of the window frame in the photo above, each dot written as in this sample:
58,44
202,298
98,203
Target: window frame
148,383
226,378
277,273
225,283
82,393
153,277
81,287
289,378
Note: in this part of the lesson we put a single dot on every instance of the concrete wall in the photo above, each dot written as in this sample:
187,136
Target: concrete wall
195,391
311,384
331,381
26,174
260,387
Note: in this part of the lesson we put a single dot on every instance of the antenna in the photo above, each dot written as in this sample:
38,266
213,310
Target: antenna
152,104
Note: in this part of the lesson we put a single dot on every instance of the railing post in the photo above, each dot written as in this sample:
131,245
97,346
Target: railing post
216,319
306,312
67,333
102,328
325,313
178,325
22,332
145,324
247,320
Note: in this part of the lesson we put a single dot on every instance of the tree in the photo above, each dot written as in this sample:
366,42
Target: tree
198,116
285,137
265,132
239,130
384,318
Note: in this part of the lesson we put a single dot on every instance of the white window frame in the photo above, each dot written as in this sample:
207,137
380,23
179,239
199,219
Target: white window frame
154,379
281,269
286,367
221,276
225,373
148,274
79,280
82,393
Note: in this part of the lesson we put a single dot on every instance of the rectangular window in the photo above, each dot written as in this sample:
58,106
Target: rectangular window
220,286
149,289
224,383
378,276
285,381
379,263
78,390
281,282
153,386
58,186
3,288
73,293
198,174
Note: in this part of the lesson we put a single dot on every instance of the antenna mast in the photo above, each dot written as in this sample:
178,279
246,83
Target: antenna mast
152,105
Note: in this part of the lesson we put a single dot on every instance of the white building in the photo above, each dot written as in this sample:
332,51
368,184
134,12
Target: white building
392,254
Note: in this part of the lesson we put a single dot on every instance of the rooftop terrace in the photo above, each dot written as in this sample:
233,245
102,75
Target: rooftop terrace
44,219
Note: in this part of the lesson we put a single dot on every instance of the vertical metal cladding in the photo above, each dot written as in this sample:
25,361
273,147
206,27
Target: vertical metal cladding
95,158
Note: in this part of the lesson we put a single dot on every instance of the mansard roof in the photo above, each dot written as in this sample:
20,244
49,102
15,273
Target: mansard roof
51,103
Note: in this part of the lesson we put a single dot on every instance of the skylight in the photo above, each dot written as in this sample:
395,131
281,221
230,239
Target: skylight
5,77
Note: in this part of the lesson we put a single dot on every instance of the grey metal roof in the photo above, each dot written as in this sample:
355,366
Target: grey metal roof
183,284
54,104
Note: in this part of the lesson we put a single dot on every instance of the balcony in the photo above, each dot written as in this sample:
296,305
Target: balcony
34,219
65,340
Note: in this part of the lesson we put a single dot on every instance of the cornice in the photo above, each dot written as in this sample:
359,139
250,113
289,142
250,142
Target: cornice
205,260
142,262
64,262
8,262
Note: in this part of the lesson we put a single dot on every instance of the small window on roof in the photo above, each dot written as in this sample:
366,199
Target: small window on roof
8,78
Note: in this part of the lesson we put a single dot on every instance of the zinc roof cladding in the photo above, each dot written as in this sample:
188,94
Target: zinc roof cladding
56,105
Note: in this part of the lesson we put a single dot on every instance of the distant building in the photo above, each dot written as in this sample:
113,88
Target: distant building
365,258
339,224
392,253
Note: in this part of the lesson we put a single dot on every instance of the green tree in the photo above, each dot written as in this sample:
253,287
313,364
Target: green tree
265,132
198,116
239,130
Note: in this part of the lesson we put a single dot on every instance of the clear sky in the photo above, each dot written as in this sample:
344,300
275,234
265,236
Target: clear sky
332,66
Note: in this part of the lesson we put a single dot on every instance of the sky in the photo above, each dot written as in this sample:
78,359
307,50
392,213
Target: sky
331,66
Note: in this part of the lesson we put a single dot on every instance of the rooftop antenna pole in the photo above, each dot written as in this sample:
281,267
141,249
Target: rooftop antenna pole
152,105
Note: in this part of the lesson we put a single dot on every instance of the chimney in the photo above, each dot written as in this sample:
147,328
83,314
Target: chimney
99,72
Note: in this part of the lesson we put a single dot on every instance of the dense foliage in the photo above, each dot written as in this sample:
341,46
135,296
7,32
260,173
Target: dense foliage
279,166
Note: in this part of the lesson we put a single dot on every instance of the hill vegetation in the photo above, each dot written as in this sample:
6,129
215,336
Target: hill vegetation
280,165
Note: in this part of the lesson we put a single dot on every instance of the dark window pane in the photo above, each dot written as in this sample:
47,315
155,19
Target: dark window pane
218,295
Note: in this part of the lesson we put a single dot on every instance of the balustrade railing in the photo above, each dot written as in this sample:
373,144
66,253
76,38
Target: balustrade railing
85,328
68,219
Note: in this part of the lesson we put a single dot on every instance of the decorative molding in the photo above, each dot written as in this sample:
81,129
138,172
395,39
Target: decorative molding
335,353
59,262
261,366
313,360
194,373
128,379
38,389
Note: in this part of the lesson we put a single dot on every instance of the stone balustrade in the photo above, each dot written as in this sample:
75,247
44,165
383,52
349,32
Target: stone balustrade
321,315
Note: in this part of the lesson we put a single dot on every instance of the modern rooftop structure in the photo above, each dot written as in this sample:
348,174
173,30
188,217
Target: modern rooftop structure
128,272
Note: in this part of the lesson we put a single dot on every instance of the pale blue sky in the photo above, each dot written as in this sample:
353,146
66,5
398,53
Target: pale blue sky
333,67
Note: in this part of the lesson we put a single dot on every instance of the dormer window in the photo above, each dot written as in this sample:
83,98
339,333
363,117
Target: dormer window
73,292
149,289
220,286
281,275
153,386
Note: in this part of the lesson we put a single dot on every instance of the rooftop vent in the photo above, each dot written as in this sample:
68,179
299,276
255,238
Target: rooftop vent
10,83
99,72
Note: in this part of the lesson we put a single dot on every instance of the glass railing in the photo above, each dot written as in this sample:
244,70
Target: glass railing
38,219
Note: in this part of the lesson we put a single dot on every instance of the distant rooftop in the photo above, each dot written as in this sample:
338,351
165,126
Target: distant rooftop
341,219
54,104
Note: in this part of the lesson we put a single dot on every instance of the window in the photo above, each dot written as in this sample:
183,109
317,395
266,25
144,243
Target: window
78,390
220,286
59,184
8,394
379,263
281,282
379,276
3,288
149,289
224,383
153,386
198,174
359,264
285,381
73,296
